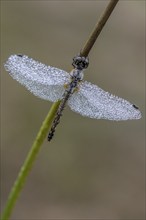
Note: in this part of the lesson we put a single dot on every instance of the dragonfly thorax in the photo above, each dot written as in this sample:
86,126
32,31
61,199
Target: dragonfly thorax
77,74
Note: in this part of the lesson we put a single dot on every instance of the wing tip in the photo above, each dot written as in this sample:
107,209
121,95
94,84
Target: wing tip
137,113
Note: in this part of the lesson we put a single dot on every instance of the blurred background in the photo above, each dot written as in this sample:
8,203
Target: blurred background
92,168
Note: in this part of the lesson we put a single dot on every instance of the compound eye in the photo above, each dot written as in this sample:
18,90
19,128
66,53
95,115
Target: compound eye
79,59
87,60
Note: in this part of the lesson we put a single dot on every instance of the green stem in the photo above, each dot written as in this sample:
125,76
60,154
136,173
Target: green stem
28,163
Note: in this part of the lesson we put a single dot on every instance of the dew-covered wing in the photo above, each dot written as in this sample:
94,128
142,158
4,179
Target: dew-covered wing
43,81
93,102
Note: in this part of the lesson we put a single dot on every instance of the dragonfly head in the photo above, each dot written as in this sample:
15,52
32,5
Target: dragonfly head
80,63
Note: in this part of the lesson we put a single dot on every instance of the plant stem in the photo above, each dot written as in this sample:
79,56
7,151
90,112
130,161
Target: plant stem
28,163
30,159
98,27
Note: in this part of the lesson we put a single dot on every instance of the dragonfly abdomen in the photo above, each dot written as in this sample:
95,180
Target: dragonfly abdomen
62,105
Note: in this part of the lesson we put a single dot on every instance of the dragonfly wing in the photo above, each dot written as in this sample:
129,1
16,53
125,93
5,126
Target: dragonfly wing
93,102
43,81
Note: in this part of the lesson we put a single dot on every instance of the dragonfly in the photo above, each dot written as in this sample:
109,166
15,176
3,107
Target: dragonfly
53,84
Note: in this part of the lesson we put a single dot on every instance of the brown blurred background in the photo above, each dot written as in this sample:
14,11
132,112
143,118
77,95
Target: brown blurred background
92,168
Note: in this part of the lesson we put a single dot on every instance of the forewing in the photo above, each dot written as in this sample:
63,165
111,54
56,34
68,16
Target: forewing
93,102
43,81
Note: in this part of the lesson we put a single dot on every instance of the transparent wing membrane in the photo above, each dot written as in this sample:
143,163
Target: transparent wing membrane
93,102
43,81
